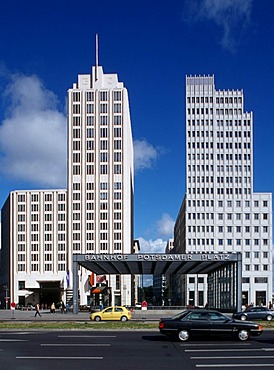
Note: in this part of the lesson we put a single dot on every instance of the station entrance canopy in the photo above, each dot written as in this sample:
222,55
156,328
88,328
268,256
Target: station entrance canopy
224,271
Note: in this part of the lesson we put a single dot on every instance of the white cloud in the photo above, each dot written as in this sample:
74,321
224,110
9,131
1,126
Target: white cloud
232,16
165,225
33,134
152,246
144,154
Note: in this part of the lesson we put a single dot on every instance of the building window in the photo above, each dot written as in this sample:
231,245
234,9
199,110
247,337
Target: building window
21,285
21,267
76,246
103,95
104,132
48,267
261,280
117,96
118,282
103,108
104,169
117,132
117,144
117,120
117,108
103,246
117,246
34,267
89,96
117,169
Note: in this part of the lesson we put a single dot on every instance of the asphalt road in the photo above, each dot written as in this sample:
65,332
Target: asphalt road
129,350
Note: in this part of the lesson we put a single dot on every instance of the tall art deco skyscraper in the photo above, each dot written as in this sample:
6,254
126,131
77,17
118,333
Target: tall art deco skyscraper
221,212
100,179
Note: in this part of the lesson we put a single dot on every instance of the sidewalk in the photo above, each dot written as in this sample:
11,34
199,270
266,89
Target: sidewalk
18,315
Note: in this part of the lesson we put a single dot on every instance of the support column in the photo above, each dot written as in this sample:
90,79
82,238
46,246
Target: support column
239,283
75,285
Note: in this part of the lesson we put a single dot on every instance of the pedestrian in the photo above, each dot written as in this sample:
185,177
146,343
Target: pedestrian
37,308
62,307
52,308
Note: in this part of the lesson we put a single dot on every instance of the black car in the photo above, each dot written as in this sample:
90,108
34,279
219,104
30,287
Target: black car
207,322
255,313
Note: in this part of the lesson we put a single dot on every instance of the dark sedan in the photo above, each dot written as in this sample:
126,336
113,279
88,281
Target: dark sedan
207,322
255,313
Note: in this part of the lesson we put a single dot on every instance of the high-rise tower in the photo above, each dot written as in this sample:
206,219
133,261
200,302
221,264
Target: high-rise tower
220,212
100,177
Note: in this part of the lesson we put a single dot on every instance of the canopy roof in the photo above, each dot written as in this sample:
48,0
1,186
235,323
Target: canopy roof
155,264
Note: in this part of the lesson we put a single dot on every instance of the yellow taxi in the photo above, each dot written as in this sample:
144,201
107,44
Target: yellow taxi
112,313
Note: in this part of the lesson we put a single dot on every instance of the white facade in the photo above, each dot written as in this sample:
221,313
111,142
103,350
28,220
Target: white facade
220,212
100,176
34,245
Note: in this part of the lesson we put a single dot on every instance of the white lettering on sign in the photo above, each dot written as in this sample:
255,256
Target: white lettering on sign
158,257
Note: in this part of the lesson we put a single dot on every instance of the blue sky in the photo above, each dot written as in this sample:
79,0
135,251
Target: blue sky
152,45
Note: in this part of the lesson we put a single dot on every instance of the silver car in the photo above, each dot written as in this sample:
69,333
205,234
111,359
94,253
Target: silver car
255,313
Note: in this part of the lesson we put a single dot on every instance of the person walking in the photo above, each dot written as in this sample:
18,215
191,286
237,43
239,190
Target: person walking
37,308
52,308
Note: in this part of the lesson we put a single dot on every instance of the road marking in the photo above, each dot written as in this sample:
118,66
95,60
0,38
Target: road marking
212,344
75,344
226,357
237,365
57,358
13,340
16,333
86,336
229,350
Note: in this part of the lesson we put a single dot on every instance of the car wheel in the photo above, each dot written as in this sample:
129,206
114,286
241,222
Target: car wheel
97,318
243,334
243,317
123,318
269,317
183,335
